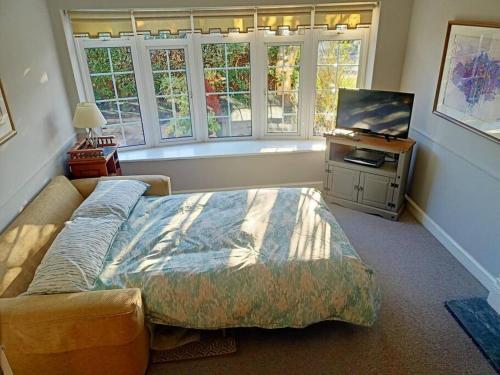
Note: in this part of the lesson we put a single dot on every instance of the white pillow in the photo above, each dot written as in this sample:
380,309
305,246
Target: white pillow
112,197
75,258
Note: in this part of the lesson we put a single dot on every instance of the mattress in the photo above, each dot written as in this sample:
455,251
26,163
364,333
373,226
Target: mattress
267,258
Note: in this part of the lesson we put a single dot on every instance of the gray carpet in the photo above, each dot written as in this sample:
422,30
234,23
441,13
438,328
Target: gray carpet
414,335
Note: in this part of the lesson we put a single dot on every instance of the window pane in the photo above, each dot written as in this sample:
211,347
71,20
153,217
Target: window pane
213,55
130,111
326,101
239,79
122,59
111,74
179,83
103,87
172,92
98,60
228,89
116,131
183,128
176,58
218,127
125,85
238,54
217,105
162,84
167,129
164,106
241,115
215,80
283,83
181,106
110,112
338,66
159,59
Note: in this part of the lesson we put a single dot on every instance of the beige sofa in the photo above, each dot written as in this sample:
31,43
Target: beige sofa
99,332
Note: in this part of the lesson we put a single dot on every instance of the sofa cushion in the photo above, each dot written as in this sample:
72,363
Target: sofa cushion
76,256
159,185
25,241
71,321
111,197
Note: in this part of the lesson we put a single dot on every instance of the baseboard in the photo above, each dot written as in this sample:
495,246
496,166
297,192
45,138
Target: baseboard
472,265
314,184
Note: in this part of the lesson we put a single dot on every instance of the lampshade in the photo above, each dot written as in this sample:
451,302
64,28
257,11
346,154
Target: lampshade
87,115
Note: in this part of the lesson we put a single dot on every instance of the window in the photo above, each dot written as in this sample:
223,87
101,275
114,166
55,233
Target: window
283,76
337,67
197,75
226,69
111,73
171,91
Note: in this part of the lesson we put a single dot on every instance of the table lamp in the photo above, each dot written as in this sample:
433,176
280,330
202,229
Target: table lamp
88,116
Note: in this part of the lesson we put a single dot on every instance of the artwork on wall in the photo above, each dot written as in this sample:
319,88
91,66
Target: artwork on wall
7,129
468,91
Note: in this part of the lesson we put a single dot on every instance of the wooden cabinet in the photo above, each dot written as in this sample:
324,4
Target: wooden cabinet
374,190
344,183
87,162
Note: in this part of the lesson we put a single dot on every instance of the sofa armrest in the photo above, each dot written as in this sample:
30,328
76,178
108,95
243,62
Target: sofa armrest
159,185
43,324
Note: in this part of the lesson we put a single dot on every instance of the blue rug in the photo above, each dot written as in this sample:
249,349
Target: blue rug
481,323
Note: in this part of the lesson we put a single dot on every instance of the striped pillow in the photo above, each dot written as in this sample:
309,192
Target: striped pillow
112,197
75,258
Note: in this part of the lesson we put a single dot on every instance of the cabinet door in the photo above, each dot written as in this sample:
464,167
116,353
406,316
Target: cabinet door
344,183
375,190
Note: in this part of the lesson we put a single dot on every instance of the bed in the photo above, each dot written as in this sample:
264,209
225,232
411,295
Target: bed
267,258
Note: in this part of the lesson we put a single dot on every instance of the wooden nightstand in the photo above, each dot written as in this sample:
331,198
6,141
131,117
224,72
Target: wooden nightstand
102,160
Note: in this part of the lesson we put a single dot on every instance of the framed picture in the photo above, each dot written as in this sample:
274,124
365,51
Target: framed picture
468,91
7,129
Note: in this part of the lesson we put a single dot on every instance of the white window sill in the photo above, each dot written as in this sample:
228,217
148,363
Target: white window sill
222,150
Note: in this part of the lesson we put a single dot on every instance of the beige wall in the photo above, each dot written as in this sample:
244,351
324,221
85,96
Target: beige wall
457,172
35,92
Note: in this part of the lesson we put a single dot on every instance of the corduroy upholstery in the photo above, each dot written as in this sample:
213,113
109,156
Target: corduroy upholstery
99,332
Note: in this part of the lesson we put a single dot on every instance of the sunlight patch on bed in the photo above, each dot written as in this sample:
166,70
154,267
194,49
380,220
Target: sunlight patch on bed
311,235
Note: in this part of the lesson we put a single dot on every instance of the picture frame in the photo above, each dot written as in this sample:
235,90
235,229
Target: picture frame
468,88
7,129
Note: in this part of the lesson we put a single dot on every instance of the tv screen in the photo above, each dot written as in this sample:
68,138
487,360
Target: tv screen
379,112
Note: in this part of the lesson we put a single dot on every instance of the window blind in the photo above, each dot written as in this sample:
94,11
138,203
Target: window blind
95,24
276,18
352,16
156,22
223,21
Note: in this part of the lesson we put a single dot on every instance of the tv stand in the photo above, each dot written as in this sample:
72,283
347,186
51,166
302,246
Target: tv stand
379,191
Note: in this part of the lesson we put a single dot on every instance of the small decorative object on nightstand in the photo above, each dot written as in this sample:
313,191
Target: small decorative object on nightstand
85,160
88,116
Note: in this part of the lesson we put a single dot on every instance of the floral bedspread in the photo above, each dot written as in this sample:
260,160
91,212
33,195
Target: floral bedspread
269,258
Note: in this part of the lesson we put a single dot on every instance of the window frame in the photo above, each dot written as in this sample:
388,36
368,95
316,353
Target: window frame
308,38
200,39
81,44
145,45
320,35
269,40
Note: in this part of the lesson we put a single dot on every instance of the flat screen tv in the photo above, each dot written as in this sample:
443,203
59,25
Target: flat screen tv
378,112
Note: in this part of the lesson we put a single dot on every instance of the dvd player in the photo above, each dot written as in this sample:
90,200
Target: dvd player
369,158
